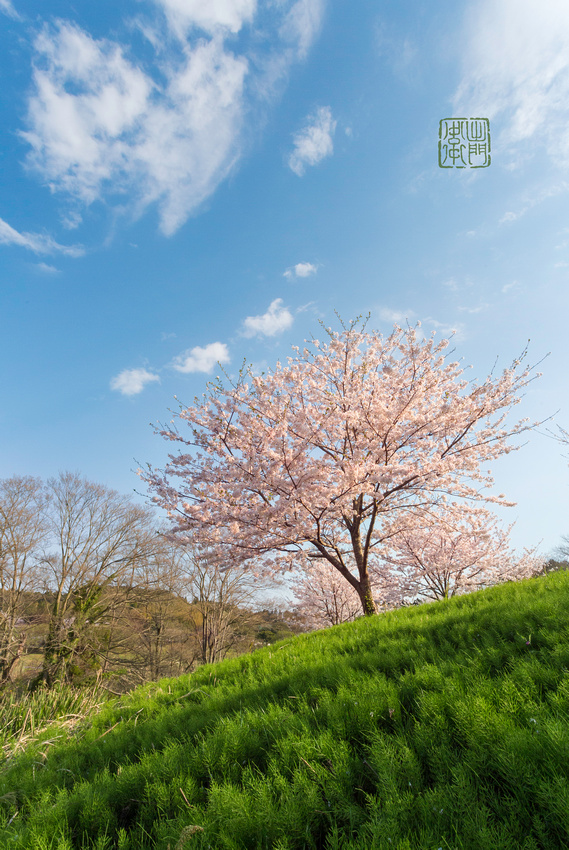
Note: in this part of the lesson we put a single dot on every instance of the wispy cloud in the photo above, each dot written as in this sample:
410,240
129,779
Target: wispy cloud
45,268
399,52
446,329
511,216
297,30
7,7
301,25
516,65
509,286
200,359
132,381
274,321
533,201
395,317
314,141
165,133
39,243
301,270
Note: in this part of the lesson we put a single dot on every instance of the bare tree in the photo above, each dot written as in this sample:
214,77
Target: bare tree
159,636
561,553
22,531
560,559
222,601
98,541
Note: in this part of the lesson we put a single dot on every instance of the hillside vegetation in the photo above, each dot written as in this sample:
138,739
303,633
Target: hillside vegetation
439,726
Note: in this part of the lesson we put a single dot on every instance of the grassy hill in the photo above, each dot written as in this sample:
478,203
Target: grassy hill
440,726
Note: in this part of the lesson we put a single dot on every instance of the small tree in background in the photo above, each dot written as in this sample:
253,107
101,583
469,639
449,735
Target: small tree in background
453,549
319,458
23,529
222,604
560,555
324,597
560,559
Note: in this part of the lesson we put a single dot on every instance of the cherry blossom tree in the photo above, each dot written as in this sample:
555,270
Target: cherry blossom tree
454,549
318,458
324,597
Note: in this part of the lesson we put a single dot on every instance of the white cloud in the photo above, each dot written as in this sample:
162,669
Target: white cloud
314,142
167,132
516,66
132,381
201,359
274,321
8,9
301,270
119,131
211,16
39,243
79,137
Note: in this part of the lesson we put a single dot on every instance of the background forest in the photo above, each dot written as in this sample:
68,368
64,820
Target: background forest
91,589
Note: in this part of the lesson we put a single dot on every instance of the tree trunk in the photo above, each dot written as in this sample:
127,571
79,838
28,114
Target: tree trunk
9,665
366,596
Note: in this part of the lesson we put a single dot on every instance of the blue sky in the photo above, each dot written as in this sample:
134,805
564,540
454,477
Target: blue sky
184,182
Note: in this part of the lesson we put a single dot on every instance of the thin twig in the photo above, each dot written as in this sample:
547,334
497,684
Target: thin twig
188,804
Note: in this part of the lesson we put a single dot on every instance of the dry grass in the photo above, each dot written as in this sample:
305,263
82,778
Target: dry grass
27,717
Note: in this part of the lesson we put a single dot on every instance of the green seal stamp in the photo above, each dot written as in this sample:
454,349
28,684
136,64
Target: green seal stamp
464,143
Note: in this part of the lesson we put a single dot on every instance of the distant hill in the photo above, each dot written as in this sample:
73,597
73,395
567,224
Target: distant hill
439,726
141,634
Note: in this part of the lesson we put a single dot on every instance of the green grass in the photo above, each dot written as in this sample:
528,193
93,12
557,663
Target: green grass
441,726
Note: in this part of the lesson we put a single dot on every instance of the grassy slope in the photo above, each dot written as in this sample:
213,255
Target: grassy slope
441,726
